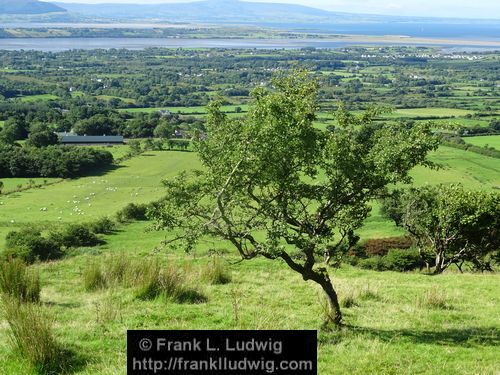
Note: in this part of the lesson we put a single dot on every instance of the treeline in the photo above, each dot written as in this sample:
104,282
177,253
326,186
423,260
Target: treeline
492,128
51,161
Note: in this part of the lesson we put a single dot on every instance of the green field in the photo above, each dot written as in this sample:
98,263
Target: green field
490,141
10,184
36,98
187,110
135,180
424,112
472,170
109,97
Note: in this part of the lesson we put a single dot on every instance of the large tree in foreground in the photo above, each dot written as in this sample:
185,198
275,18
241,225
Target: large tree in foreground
451,223
275,186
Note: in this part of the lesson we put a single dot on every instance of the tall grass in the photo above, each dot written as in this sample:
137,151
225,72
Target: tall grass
93,277
31,335
169,284
19,282
434,298
151,279
216,272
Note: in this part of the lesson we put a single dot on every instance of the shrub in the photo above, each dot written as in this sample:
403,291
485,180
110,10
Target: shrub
76,235
31,335
29,245
19,282
402,260
170,285
216,272
132,211
375,263
381,246
103,225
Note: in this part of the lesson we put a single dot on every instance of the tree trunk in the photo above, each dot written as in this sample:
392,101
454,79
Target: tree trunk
439,262
333,301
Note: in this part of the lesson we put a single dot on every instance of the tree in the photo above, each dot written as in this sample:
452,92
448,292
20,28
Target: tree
96,125
456,225
275,186
41,135
14,129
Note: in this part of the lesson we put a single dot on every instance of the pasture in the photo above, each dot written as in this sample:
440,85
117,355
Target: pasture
36,98
482,141
136,180
430,112
199,110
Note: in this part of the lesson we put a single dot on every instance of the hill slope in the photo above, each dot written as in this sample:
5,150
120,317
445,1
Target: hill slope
27,7
213,11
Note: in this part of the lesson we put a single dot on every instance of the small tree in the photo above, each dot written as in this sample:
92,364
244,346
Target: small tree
41,135
275,186
135,147
456,225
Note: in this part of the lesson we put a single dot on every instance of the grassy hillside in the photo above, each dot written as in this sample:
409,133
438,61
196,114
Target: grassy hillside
399,323
395,327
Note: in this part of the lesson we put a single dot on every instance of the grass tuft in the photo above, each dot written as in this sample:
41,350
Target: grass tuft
19,282
94,277
169,284
216,272
433,298
347,301
31,336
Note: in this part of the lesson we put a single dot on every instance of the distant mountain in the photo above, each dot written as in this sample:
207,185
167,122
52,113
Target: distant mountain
213,11
28,7
234,12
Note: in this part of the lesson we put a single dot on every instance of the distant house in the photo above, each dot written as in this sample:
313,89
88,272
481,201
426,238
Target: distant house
84,140
164,112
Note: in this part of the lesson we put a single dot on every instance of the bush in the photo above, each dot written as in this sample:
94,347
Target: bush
76,235
29,245
170,285
19,282
132,211
31,335
381,246
375,263
216,272
402,260
103,225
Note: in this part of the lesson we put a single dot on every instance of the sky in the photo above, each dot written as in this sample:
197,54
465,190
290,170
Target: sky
432,8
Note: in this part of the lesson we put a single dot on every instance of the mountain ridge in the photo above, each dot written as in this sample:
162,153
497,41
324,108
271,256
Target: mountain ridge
28,7
230,11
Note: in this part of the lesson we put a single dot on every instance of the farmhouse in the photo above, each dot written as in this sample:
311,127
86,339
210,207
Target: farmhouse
83,140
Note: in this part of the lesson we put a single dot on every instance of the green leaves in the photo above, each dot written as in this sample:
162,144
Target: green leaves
457,224
272,182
